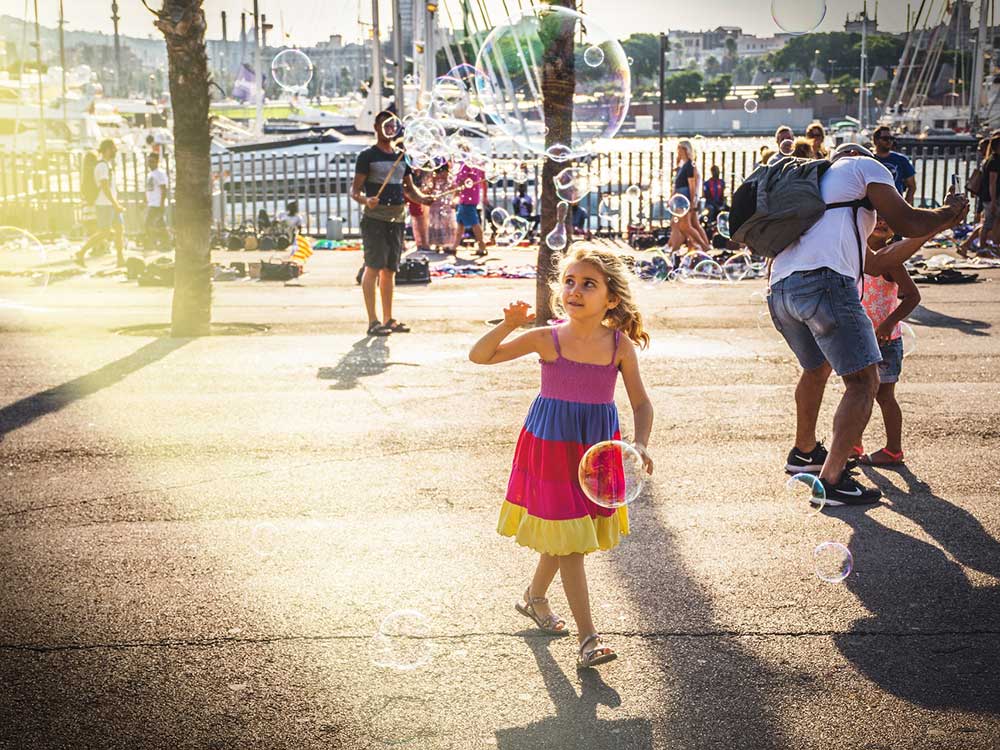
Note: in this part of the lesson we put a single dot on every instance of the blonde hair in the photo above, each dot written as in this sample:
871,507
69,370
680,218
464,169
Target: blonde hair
624,316
686,145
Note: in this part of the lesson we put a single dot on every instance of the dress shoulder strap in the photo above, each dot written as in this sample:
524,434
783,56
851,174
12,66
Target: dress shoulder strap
555,339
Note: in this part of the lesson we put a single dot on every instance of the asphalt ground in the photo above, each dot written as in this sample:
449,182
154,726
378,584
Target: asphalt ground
199,539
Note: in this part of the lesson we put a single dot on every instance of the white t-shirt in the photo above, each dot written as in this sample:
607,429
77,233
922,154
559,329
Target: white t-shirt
831,242
154,181
105,172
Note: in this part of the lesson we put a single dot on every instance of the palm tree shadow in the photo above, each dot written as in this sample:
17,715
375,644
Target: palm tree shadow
367,357
931,319
930,637
575,723
33,407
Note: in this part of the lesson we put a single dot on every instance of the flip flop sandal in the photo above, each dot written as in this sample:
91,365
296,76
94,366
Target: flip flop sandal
377,329
599,654
895,459
394,326
551,623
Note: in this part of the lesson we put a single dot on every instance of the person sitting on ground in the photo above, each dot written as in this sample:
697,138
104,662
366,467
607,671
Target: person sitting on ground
291,219
888,299
714,191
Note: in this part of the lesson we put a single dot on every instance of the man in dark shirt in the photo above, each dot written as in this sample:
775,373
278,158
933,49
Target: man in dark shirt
382,184
901,169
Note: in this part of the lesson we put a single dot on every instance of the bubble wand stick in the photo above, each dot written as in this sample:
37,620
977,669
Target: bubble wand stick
457,189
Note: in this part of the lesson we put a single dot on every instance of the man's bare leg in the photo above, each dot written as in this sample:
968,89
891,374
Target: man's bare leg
808,399
849,422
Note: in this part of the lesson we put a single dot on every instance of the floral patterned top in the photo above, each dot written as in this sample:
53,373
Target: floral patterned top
880,298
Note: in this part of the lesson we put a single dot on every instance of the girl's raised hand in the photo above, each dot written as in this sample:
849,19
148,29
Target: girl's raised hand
517,314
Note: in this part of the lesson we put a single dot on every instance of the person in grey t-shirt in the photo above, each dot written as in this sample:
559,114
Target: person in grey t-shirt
383,182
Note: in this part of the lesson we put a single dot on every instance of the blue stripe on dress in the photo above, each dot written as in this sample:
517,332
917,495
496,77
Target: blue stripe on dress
571,422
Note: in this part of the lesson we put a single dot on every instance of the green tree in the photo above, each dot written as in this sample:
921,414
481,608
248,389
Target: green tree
845,88
682,86
731,57
765,93
804,90
712,67
183,25
644,49
880,89
718,88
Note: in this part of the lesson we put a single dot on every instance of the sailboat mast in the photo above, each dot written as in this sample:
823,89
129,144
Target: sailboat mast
62,56
864,66
258,122
977,69
376,58
41,88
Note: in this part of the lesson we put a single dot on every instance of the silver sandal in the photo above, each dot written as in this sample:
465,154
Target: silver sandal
600,654
551,623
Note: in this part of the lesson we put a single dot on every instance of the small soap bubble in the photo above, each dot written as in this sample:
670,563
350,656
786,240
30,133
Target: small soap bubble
559,152
292,69
678,205
722,224
909,337
750,106
402,641
786,147
633,192
611,473
499,216
593,56
806,493
833,562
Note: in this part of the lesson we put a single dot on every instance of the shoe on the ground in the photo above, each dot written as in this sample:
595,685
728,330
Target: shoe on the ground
394,326
848,492
811,462
375,328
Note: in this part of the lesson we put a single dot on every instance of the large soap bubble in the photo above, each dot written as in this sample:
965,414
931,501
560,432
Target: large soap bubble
528,86
798,16
292,69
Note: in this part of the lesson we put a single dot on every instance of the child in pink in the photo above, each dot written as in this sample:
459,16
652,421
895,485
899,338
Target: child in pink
472,182
888,299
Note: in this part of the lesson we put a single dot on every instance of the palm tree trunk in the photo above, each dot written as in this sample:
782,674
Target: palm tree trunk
183,25
558,86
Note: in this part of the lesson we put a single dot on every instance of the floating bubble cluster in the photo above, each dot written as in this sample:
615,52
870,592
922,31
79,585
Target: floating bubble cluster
572,184
521,61
292,69
611,474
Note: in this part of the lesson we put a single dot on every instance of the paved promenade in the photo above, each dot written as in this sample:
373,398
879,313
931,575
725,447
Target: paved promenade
200,538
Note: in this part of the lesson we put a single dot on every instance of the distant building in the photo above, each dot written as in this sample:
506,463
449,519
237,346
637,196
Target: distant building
698,46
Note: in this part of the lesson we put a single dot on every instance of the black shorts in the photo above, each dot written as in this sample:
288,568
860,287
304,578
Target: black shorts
383,243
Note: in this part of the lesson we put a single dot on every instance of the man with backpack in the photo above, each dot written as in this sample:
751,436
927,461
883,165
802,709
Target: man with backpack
813,298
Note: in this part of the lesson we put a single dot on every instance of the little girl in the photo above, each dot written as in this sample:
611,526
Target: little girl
888,299
545,508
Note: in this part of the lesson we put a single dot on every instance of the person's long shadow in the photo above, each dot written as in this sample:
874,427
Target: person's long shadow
33,407
367,357
932,319
575,723
932,635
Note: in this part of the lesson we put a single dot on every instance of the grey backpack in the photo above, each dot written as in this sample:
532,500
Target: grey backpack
779,202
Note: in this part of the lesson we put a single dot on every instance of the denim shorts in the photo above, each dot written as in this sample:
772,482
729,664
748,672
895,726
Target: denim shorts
108,217
467,214
820,315
892,362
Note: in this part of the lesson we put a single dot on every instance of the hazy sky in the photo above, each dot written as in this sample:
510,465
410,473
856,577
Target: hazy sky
306,21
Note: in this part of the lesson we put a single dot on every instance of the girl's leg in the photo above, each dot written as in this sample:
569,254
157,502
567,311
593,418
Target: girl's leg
574,581
545,571
892,415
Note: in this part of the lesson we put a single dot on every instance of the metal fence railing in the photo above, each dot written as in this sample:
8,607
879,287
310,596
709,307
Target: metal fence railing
42,194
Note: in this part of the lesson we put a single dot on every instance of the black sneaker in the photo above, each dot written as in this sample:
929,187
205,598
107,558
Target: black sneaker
848,492
811,462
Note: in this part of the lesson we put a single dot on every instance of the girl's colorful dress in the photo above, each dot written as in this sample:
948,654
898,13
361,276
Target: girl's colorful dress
545,508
